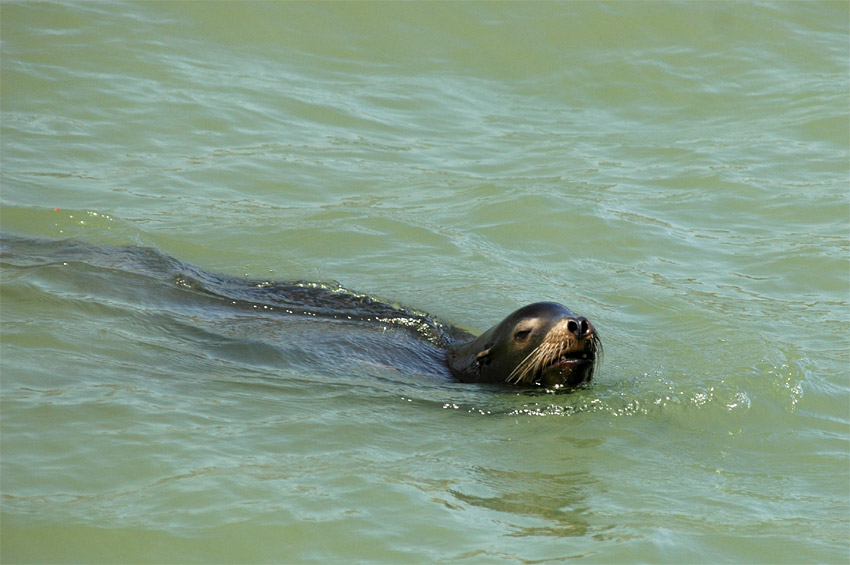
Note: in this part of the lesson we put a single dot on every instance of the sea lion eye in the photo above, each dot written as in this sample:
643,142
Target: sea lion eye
522,335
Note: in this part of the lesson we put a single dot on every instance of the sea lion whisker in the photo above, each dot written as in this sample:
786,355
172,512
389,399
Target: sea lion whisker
534,362
520,370
526,366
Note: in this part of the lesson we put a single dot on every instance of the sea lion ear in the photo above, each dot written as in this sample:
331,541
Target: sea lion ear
483,358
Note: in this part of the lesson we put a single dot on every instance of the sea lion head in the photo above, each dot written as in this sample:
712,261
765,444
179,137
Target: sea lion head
542,344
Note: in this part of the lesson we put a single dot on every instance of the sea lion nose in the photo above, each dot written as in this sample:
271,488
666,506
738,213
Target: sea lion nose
578,326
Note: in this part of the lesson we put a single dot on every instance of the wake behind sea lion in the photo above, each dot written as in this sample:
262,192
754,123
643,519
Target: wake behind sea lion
540,345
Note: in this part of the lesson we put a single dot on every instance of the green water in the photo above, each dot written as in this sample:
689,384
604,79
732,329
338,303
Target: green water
678,173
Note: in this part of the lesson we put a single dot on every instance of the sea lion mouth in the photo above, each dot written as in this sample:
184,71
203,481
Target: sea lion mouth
567,360
569,369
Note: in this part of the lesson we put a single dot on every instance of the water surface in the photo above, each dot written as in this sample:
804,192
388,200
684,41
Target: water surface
678,173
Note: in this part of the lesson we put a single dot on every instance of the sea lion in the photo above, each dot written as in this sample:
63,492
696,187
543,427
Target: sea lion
541,344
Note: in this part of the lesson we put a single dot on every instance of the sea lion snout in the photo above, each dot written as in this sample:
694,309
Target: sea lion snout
578,326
